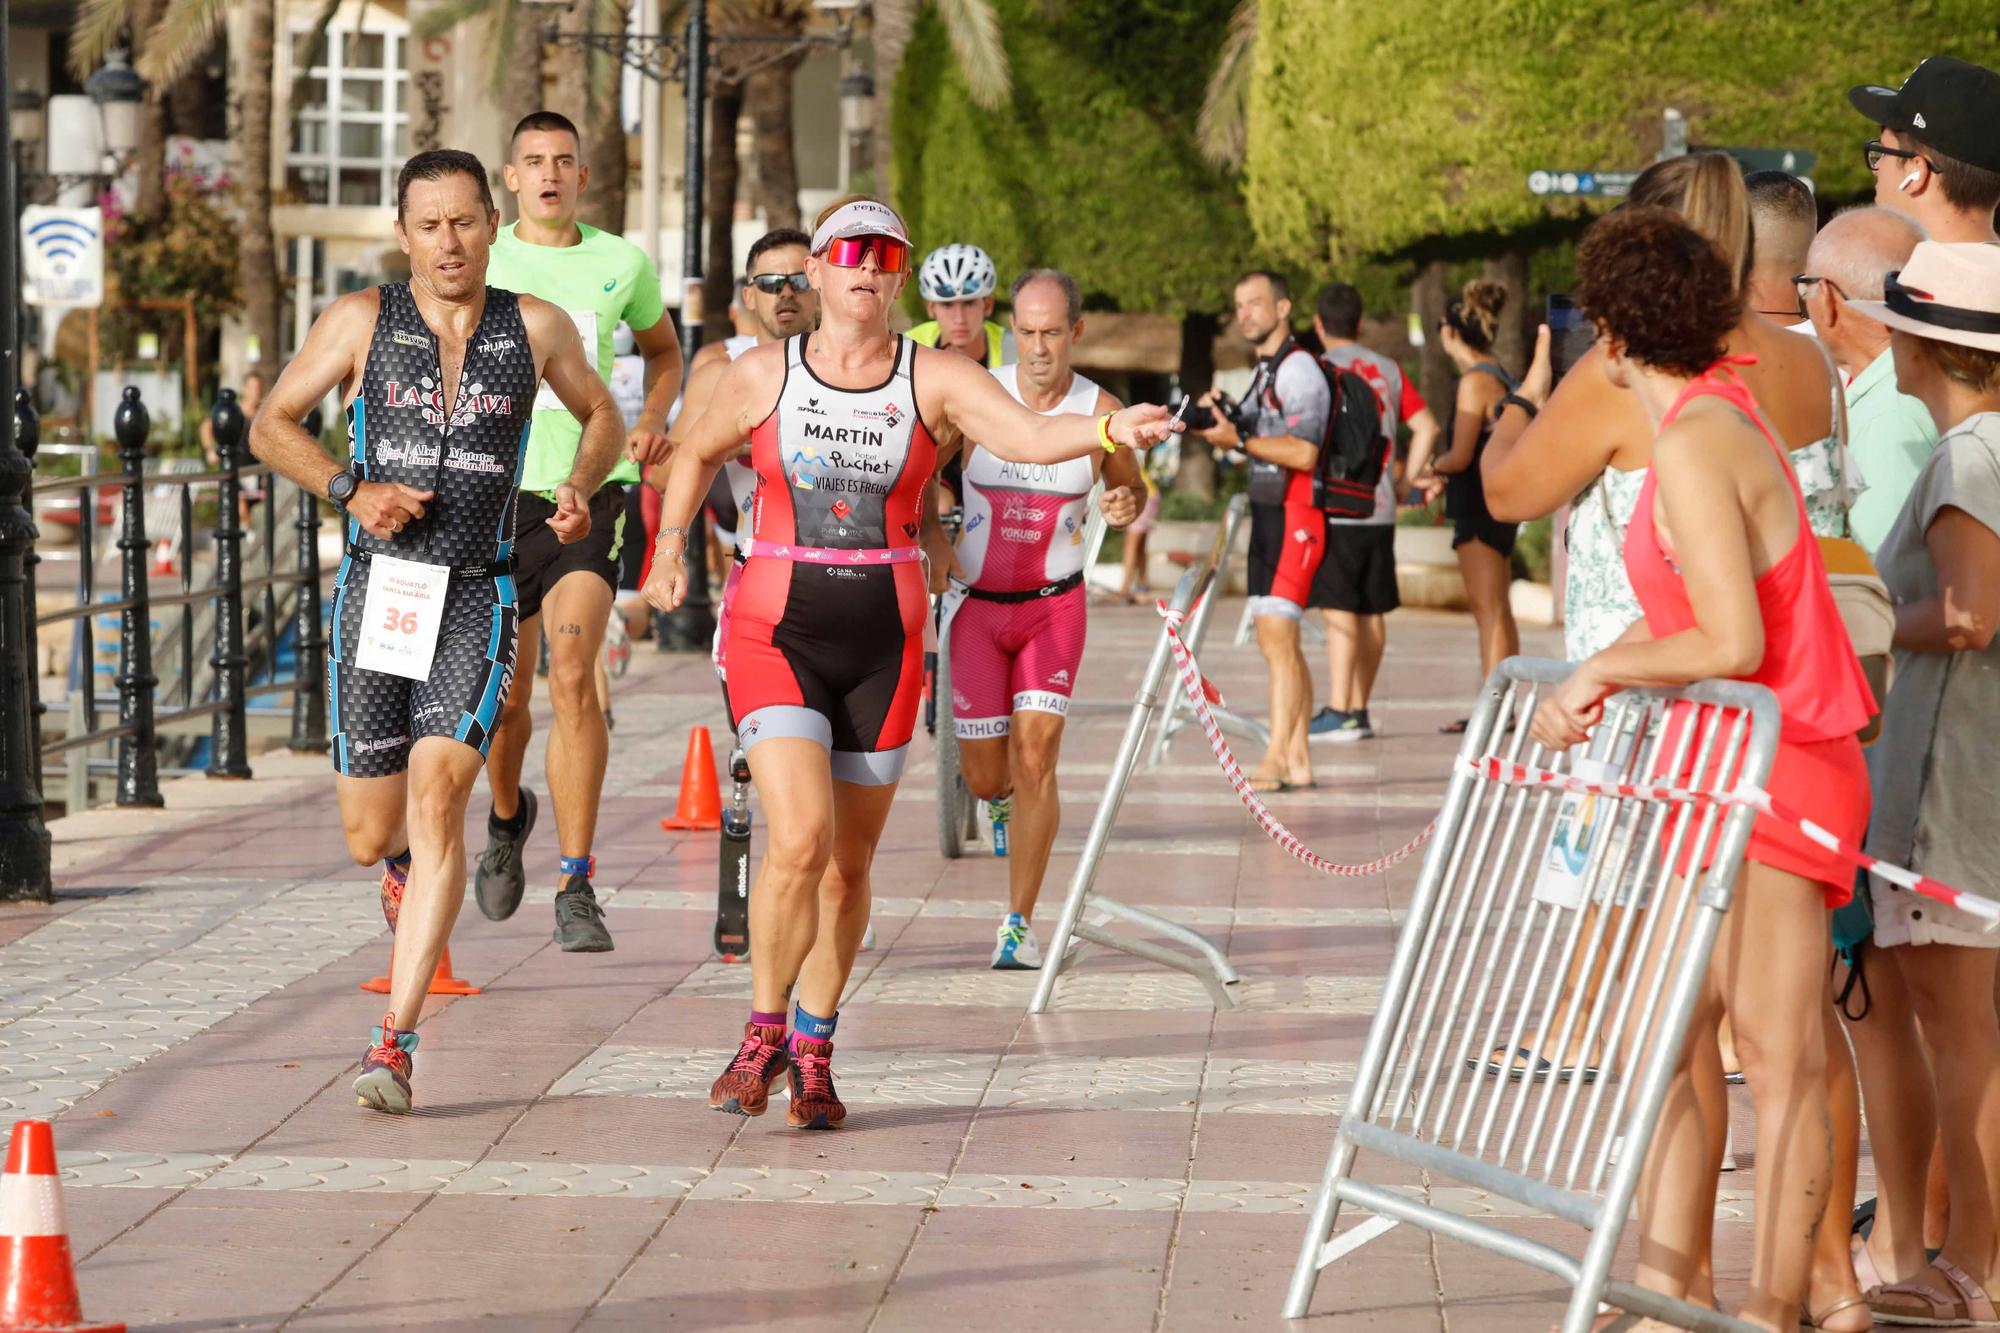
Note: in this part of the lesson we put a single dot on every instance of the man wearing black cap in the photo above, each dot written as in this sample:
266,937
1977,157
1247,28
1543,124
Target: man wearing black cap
1937,159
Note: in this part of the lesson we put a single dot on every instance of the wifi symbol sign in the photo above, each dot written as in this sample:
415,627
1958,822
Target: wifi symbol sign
61,242
64,253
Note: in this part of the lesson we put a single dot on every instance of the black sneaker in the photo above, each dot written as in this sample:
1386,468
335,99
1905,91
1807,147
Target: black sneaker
498,882
579,920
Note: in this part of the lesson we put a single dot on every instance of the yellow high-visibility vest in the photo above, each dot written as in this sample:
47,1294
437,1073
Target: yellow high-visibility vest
999,343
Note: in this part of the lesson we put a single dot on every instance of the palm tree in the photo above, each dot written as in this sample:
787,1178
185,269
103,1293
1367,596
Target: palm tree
1222,129
582,84
973,30
169,38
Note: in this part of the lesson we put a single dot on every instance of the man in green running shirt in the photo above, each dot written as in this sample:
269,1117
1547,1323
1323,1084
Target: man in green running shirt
567,591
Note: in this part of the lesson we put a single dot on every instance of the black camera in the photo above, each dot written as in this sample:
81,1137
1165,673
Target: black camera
1196,417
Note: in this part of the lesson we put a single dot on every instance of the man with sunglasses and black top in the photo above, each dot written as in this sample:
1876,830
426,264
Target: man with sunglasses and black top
781,303
1937,157
601,280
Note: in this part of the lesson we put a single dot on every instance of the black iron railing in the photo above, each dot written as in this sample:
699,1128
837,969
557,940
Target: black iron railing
278,578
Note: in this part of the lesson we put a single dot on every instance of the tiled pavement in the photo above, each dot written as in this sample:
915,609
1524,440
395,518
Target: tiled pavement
1131,1160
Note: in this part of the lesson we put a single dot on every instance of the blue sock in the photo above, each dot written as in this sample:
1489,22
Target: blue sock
811,1026
1016,919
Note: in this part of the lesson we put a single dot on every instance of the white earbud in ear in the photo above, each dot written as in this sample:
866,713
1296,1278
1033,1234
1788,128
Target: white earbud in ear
1910,179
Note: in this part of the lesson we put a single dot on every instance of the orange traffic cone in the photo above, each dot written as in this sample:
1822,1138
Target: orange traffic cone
442,983
163,558
700,805
37,1274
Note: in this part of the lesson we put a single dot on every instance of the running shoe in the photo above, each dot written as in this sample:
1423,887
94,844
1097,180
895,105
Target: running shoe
499,881
815,1105
580,924
394,881
617,645
384,1084
868,937
1016,949
745,1087
1338,726
1000,810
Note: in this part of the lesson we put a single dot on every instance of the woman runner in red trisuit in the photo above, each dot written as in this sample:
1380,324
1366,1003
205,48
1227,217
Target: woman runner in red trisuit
826,631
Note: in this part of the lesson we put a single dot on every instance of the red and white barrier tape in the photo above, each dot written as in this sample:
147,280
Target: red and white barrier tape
1520,775
1200,694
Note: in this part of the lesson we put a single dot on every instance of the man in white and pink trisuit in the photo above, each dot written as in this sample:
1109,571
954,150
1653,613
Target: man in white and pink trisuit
1017,638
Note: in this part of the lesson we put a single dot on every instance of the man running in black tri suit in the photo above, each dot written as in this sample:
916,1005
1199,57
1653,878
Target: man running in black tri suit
438,376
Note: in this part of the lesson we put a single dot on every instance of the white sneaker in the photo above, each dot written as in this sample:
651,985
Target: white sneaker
868,938
1015,948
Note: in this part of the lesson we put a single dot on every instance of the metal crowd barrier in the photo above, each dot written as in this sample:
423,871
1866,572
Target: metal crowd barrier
1210,967
284,592
1452,1079
1179,712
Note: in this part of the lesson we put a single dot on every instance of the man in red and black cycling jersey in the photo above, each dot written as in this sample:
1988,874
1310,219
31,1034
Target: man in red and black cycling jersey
1286,412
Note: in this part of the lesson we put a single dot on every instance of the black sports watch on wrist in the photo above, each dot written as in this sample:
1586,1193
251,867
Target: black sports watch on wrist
340,489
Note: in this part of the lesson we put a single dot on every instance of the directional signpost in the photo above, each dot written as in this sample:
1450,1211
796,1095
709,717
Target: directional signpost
1590,183
1597,184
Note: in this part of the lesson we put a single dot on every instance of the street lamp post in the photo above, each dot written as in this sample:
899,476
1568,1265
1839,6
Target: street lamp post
117,90
24,839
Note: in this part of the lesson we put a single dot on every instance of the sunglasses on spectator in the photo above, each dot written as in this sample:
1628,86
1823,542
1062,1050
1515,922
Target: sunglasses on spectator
772,283
891,255
1802,284
1875,150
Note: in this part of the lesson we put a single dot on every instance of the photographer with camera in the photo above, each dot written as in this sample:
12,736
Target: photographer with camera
1280,424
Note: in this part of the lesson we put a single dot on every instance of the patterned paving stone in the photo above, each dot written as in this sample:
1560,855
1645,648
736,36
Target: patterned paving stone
897,1078
525,1180
1077,990
981,909
120,980
593,1144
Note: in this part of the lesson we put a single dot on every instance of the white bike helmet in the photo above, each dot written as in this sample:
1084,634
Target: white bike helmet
957,273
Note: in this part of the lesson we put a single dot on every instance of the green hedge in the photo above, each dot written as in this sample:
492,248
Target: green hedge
1093,168
1378,128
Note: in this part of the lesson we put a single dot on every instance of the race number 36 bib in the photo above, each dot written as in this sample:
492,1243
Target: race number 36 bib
401,615
586,329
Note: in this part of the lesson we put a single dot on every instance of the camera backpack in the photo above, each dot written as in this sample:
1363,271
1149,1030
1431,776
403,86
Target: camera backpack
1354,451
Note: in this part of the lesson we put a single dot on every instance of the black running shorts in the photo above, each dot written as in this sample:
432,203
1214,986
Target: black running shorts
376,717
540,561
1358,572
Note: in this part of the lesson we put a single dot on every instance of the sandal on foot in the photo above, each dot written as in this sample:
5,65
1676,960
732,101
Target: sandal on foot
1819,1320
1918,1304
1499,1065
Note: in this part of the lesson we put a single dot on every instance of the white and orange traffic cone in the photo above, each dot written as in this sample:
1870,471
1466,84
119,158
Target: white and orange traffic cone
163,558
37,1274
